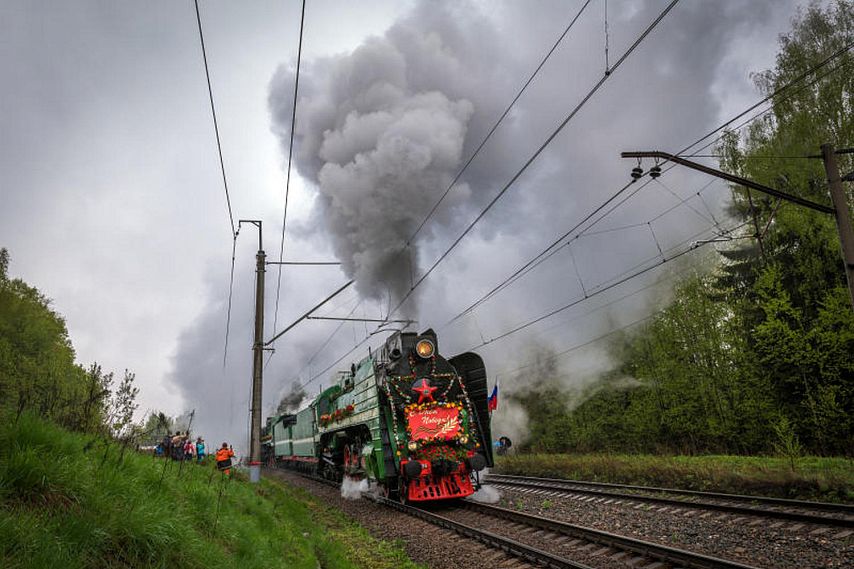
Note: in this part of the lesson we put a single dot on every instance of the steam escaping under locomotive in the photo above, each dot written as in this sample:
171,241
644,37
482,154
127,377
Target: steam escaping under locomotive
406,418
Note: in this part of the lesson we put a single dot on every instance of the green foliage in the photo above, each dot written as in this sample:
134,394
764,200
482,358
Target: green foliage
787,443
37,369
38,372
157,425
61,507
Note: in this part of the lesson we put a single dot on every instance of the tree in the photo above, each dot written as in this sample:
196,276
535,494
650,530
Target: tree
37,368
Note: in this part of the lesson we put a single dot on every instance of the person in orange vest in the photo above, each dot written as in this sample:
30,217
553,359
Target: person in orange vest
223,458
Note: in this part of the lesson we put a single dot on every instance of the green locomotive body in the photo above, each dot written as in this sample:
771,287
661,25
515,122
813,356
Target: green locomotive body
409,420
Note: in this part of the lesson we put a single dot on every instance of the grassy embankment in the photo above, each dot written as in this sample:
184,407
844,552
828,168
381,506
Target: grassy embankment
61,506
814,478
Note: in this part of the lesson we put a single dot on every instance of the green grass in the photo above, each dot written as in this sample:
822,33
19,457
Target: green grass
63,507
814,478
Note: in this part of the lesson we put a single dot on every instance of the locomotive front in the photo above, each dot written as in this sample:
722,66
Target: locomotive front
439,425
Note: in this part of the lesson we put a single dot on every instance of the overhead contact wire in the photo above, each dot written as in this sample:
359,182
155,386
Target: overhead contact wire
601,289
500,120
541,148
224,181
213,114
288,175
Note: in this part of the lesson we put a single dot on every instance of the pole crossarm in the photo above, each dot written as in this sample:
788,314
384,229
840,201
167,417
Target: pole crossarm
380,320
730,177
303,262
307,314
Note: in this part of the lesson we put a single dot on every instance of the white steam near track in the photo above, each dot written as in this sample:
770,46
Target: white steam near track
351,489
486,495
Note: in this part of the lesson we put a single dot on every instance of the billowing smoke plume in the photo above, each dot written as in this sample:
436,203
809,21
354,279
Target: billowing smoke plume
381,131
291,400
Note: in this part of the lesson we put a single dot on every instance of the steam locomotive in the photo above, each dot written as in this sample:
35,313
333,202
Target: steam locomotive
410,421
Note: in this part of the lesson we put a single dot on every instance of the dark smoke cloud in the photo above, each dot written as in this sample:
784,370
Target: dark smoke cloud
291,400
383,130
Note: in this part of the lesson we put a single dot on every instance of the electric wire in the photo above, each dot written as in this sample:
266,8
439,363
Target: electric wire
539,150
213,114
555,357
600,289
774,94
550,250
683,201
542,256
224,182
563,323
288,175
230,294
500,120
323,346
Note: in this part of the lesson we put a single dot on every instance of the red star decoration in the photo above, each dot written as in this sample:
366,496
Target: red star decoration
425,391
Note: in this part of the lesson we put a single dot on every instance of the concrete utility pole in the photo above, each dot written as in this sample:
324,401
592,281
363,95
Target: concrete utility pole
842,214
257,360
839,209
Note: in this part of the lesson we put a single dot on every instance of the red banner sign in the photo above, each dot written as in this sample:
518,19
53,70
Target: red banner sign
437,423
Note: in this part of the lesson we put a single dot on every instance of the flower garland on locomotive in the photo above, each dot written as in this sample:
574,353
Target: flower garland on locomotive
439,449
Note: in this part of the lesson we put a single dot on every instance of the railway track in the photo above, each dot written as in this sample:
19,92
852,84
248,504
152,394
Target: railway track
555,536
818,513
512,539
527,553
543,542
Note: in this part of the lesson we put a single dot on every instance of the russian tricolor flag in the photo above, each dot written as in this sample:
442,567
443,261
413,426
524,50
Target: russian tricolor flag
492,402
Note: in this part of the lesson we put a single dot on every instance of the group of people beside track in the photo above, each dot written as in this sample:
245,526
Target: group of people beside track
181,446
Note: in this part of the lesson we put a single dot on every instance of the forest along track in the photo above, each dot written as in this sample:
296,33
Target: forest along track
598,548
837,515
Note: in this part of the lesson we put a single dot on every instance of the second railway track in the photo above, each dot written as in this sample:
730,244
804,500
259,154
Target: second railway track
818,513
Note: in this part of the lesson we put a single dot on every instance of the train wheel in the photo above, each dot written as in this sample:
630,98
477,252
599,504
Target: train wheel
348,457
402,491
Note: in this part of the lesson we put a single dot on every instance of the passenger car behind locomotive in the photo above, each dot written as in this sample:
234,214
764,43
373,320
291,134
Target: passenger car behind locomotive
409,420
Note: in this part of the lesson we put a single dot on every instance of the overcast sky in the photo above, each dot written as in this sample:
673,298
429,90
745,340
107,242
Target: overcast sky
112,202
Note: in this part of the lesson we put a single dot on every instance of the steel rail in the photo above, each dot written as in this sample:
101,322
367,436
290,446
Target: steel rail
509,546
805,504
506,545
574,486
672,555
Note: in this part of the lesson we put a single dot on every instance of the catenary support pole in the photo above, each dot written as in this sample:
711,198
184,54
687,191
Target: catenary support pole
842,214
257,361
257,367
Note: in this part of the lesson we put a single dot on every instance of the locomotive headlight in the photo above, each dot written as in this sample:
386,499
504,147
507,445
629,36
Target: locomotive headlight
412,445
425,348
464,439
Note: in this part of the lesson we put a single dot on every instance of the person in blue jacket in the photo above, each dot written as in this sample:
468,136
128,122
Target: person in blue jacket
200,449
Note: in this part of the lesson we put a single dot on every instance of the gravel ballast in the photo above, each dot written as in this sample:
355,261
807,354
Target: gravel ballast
749,540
